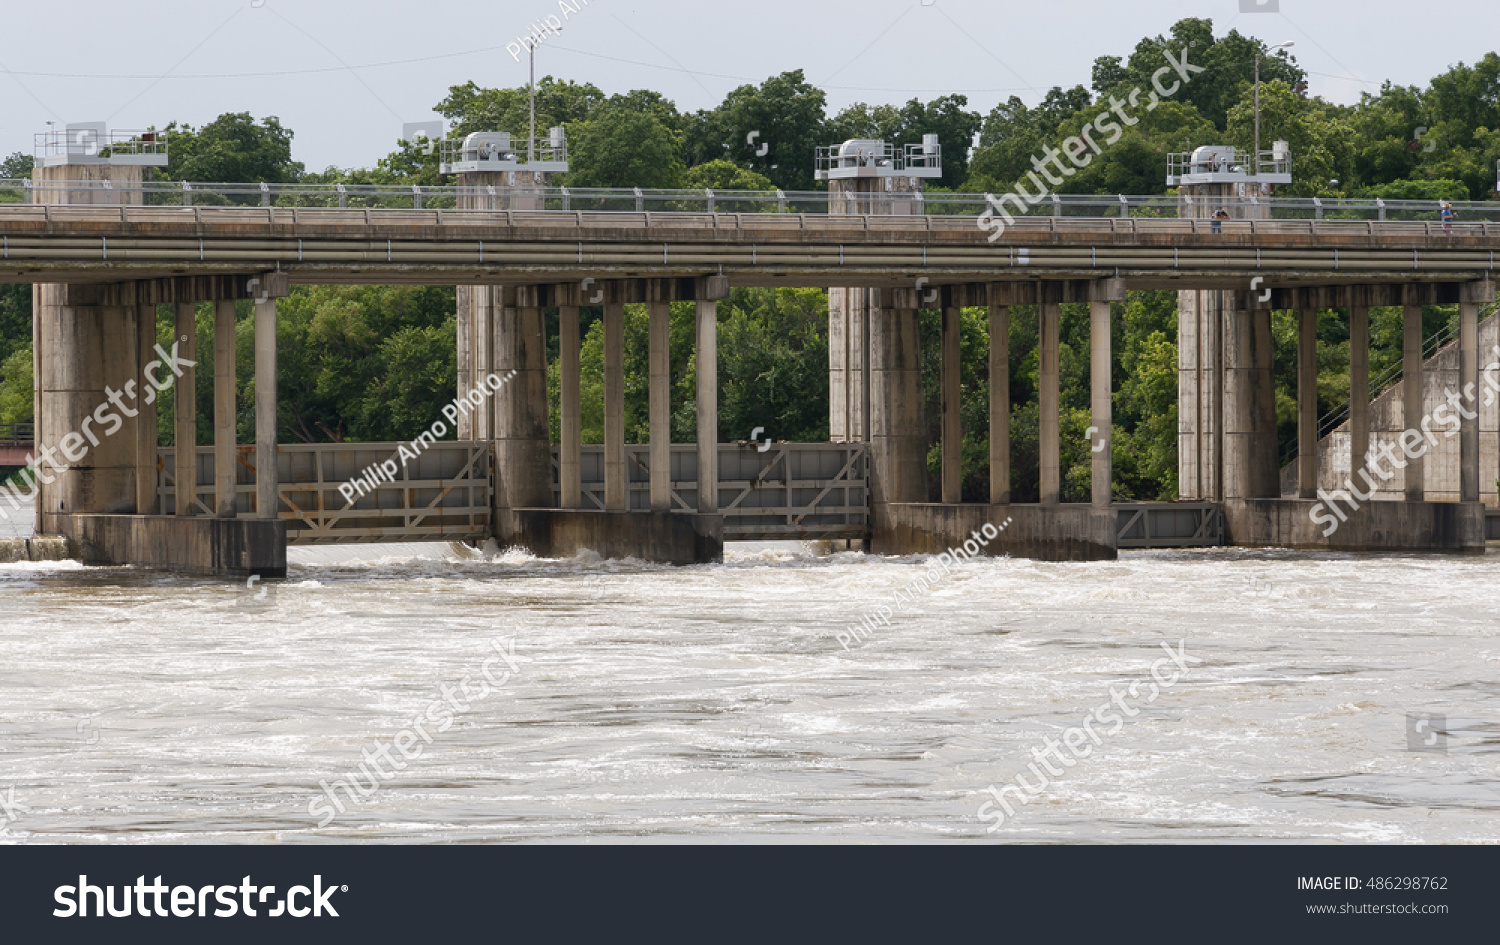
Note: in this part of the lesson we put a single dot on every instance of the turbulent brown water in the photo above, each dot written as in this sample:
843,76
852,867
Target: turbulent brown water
717,701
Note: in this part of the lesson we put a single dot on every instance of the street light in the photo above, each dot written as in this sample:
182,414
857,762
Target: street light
531,139
1255,158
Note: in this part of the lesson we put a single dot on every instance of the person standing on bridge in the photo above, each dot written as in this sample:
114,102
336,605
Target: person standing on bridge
1220,215
1448,217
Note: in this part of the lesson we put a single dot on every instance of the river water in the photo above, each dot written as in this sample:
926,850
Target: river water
717,702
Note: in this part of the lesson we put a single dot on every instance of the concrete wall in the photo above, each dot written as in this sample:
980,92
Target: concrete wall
662,537
1376,526
1046,533
219,547
35,548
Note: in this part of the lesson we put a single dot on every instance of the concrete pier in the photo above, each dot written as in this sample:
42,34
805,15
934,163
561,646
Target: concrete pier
999,357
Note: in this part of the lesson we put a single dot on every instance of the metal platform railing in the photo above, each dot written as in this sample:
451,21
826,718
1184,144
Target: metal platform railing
17,434
646,200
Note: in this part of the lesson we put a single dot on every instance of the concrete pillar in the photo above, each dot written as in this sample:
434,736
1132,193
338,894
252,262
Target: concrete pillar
226,456
147,502
475,305
485,333
523,447
1411,392
614,406
1251,466
1218,384
571,423
1101,388
708,406
952,394
267,477
464,323
1307,403
659,355
185,405
1359,388
1468,381
897,445
1049,442
1000,404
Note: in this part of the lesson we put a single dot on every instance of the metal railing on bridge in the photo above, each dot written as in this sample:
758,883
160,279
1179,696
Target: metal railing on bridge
649,200
441,495
791,490
17,434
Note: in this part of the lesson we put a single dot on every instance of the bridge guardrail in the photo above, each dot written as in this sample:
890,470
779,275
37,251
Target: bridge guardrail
644,200
811,223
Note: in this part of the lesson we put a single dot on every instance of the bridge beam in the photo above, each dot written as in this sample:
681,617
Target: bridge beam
1412,385
1359,383
999,404
614,406
708,405
267,499
185,408
660,403
1474,295
1102,388
952,402
1048,402
226,412
147,502
1307,403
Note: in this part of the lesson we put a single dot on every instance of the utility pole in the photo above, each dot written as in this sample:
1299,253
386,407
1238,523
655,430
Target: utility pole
1255,157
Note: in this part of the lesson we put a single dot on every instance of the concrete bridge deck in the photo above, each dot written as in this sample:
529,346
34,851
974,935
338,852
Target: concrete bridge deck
80,244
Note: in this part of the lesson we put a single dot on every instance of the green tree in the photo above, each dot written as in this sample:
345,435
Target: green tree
16,387
232,148
723,175
17,167
786,115
623,148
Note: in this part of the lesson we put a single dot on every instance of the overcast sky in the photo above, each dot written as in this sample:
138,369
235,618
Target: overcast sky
344,76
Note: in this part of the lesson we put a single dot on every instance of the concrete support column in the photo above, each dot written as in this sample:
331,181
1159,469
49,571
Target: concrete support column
484,334
1359,388
185,405
1411,392
1101,389
708,406
659,331
146,500
614,406
1250,454
952,394
897,446
464,330
523,448
1307,403
1049,442
267,501
226,457
1000,404
571,425
1468,382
